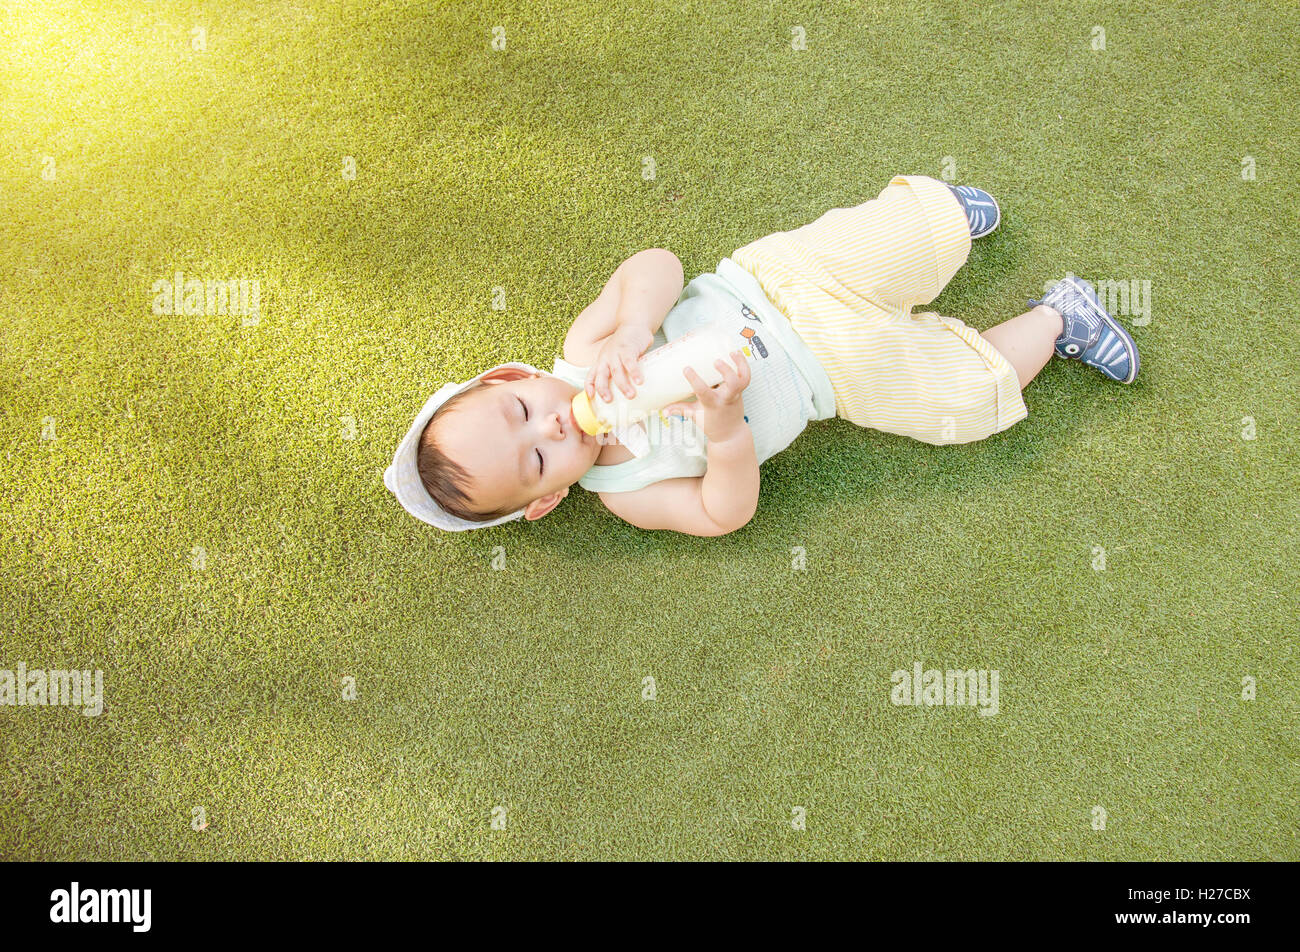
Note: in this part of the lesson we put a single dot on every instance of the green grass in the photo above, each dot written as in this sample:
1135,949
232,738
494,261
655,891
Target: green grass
522,687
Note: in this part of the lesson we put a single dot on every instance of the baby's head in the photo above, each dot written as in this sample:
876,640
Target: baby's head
506,443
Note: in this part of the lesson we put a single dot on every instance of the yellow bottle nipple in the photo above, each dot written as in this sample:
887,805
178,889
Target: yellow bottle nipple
586,416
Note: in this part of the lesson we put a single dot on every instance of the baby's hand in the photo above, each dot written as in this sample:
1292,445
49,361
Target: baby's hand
718,410
617,362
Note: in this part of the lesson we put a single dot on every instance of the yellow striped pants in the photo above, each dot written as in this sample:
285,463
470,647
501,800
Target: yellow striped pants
848,282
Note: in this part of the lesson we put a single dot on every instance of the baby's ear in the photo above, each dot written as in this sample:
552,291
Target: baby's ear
502,374
540,507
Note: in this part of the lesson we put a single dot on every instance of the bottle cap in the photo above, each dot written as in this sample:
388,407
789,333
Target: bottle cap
586,416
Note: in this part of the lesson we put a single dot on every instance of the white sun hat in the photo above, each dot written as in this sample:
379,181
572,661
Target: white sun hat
403,477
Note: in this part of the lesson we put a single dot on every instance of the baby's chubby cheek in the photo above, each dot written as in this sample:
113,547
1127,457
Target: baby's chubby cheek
585,455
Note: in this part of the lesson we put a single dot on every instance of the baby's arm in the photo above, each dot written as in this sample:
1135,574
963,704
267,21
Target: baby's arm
679,504
638,296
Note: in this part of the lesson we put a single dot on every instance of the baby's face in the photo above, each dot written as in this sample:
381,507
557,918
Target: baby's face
519,442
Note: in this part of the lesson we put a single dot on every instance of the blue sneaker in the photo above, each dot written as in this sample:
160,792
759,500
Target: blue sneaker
1090,334
982,212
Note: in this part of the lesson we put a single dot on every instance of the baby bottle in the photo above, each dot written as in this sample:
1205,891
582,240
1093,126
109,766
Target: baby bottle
663,380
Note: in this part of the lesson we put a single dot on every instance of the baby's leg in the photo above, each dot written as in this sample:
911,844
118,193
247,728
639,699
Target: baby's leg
896,250
1027,341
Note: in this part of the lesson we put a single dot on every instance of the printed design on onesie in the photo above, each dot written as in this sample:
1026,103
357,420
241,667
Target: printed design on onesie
755,341
748,333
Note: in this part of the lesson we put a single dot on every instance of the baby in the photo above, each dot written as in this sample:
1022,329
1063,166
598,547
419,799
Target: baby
825,312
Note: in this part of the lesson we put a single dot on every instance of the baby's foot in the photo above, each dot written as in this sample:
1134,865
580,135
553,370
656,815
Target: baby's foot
1090,334
982,212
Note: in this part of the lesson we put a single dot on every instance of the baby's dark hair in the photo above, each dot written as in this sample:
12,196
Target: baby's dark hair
444,479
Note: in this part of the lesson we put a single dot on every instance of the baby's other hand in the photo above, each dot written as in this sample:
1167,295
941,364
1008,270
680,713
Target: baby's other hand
618,362
718,410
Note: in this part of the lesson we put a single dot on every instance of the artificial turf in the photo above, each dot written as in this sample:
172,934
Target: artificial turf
522,686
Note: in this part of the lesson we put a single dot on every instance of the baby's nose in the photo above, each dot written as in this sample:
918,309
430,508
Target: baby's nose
555,426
